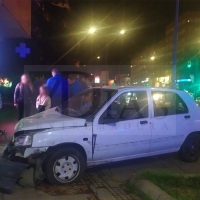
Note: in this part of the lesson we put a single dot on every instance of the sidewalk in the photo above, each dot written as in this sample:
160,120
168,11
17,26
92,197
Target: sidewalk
8,120
106,179
34,194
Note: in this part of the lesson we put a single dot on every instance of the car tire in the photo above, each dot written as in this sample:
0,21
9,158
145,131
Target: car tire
190,149
66,165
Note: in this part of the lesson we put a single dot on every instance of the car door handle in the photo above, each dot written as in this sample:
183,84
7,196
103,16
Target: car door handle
187,116
143,122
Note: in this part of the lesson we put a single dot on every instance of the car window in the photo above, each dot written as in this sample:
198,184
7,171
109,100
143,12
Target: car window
86,103
168,103
128,106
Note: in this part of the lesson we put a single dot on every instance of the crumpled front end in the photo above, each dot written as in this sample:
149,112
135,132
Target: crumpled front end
14,162
9,174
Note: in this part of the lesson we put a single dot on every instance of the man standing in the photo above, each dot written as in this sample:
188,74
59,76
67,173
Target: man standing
83,83
58,88
75,85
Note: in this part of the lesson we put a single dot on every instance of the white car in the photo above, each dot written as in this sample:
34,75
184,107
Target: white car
103,125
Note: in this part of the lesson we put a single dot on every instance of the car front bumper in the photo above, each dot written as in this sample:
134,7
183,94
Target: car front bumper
13,162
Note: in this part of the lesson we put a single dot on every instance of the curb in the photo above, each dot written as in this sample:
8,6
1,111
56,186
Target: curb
150,189
102,193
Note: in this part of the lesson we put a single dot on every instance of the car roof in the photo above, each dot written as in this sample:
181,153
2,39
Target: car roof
138,87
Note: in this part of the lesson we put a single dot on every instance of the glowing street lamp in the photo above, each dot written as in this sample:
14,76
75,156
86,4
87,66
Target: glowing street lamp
153,58
122,32
98,57
92,30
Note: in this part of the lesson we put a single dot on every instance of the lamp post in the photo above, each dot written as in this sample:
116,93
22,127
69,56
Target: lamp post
152,58
122,32
175,45
91,32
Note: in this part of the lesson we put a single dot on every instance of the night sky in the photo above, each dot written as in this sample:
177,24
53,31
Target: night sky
144,22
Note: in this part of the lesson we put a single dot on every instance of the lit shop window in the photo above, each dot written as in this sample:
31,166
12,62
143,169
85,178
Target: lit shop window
5,82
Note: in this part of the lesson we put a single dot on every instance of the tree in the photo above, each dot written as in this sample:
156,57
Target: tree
50,28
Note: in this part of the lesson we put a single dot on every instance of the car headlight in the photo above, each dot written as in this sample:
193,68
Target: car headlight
23,140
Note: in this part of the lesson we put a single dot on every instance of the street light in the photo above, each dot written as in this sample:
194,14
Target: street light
122,32
92,30
98,57
153,58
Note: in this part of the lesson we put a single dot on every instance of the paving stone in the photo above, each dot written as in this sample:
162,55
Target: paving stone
107,177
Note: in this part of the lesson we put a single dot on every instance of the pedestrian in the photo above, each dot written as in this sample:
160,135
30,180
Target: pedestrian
83,83
58,88
74,85
114,83
23,96
43,101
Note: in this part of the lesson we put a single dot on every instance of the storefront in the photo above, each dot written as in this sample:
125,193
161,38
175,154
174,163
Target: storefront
163,81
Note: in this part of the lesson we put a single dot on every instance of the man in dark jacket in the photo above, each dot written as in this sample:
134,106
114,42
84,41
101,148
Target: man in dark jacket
58,88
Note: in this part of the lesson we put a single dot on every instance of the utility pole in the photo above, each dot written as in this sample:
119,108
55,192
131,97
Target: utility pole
175,45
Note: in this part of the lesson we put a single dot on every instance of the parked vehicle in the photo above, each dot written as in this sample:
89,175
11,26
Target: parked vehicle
103,125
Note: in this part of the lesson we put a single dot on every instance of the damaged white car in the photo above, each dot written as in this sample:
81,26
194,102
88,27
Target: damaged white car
103,125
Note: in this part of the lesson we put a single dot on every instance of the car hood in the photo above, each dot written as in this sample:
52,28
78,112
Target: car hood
48,119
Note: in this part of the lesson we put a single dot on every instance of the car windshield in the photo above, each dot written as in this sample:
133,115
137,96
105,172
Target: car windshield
86,103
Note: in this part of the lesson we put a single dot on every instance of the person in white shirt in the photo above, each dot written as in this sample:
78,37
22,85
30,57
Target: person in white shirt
43,101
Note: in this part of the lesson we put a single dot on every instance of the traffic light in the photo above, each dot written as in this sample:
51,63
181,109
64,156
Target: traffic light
189,65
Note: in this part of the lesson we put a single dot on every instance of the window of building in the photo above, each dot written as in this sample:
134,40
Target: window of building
168,103
128,106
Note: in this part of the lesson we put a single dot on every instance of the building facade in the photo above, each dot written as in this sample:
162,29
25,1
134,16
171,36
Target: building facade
154,65
15,18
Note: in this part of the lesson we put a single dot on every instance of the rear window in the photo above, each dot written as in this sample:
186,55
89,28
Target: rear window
168,103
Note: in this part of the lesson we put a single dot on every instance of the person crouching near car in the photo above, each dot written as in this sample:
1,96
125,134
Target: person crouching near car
43,101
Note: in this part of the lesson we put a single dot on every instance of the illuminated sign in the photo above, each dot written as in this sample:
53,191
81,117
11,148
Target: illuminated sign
22,50
97,79
183,80
4,82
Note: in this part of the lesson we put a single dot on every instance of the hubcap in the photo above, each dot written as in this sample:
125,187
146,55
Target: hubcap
192,149
66,169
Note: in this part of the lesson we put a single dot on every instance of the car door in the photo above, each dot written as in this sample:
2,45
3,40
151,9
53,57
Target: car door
122,127
170,122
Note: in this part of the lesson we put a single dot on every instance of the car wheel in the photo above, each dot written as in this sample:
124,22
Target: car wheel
190,150
65,166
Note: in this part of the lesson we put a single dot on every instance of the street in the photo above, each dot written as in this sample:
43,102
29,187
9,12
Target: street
110,177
